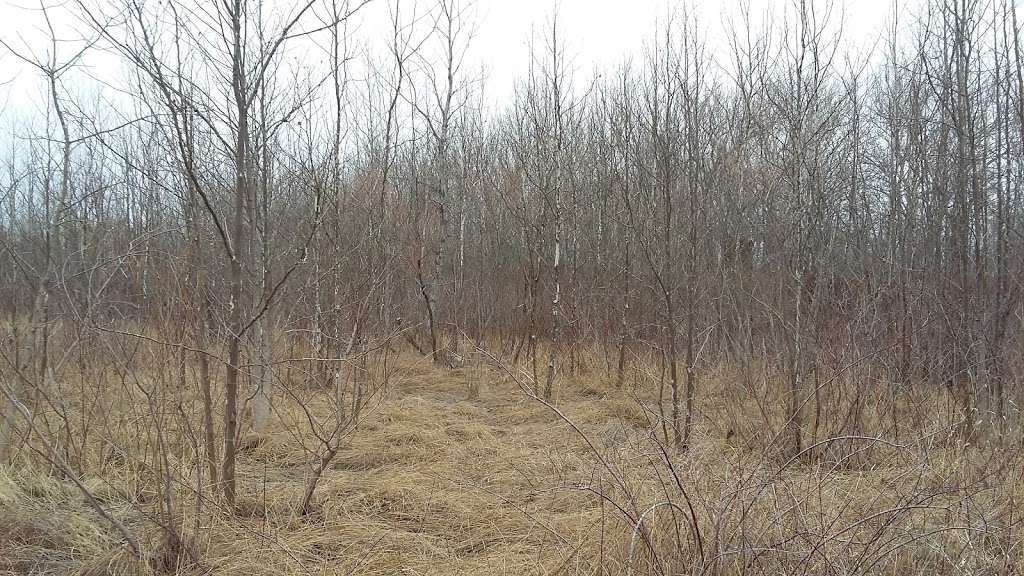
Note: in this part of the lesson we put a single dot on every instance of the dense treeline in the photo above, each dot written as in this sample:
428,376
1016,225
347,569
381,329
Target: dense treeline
786,205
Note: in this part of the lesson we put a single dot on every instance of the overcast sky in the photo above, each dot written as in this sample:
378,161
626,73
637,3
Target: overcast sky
598,33
603,33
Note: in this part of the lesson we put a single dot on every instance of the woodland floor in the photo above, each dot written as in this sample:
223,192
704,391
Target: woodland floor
435,483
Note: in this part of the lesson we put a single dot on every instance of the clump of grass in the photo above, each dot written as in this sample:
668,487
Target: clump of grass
45,526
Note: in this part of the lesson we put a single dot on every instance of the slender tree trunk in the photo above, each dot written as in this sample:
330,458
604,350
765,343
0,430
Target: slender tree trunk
238,241
264,392
556,320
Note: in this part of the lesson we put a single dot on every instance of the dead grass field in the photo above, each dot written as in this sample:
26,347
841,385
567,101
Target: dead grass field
435,483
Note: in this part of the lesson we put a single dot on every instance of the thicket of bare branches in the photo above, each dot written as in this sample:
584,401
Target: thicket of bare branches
271,213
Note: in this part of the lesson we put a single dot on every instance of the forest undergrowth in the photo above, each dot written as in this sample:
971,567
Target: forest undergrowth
464,471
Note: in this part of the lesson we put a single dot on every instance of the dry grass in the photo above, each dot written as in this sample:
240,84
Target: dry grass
435,483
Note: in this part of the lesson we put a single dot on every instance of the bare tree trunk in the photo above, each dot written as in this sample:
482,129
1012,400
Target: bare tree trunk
209,434
238,240
264,392
620,372
556,320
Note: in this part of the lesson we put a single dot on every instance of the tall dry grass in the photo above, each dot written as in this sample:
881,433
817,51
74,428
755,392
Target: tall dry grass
431,481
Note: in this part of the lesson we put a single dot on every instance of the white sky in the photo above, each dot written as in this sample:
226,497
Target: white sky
598,33
603,33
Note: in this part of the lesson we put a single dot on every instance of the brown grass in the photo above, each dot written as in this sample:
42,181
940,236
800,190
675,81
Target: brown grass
434,483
